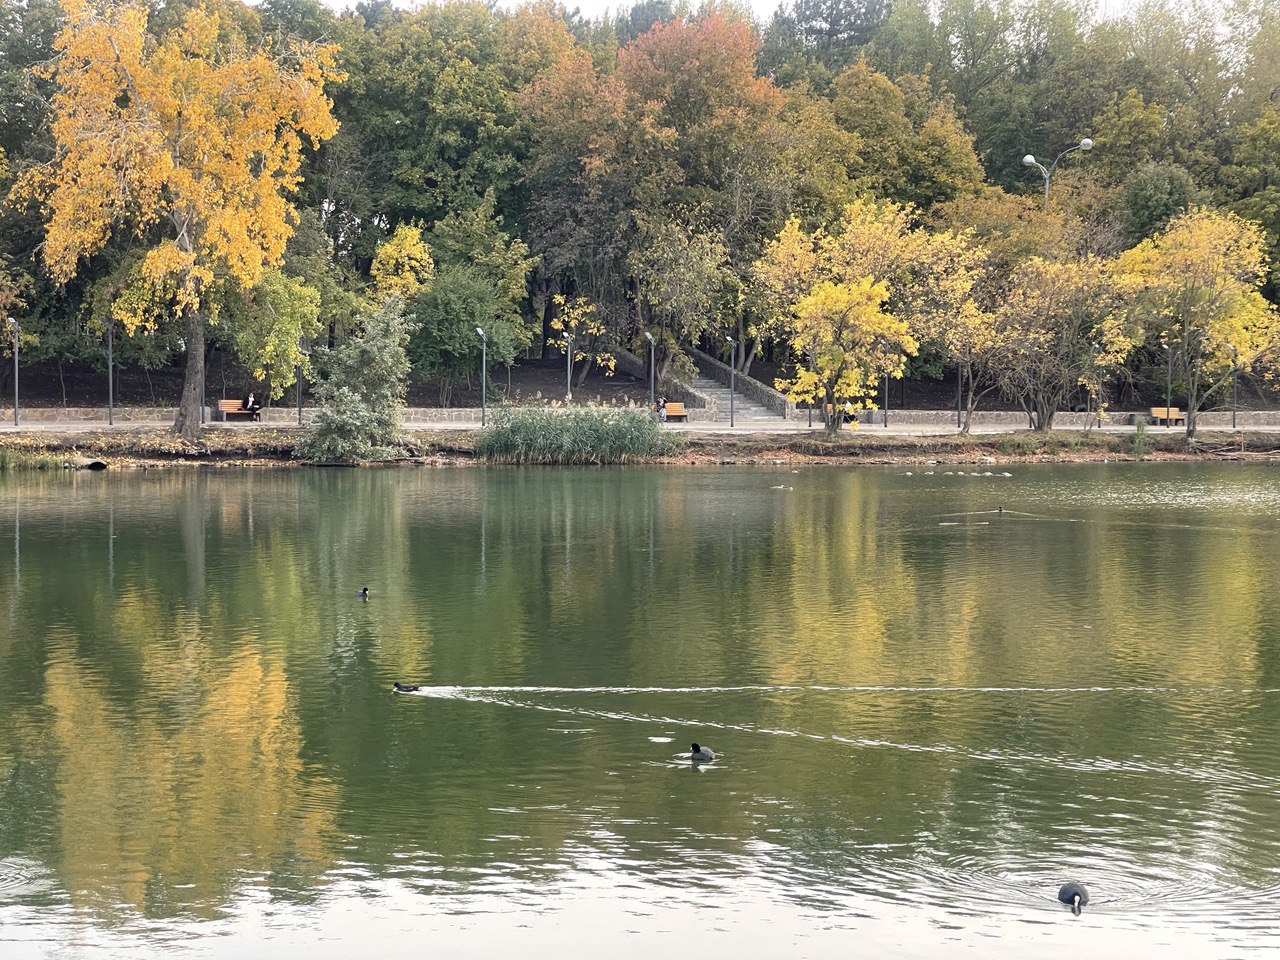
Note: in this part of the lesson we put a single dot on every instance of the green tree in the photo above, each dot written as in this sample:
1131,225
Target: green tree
362,394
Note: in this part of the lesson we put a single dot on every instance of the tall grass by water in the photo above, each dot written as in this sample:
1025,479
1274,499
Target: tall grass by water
592,436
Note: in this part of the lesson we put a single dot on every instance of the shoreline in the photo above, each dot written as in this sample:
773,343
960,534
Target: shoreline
155,447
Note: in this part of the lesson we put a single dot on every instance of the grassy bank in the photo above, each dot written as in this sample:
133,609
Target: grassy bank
157,446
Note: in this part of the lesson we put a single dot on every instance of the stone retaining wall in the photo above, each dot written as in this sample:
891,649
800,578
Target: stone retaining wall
634,366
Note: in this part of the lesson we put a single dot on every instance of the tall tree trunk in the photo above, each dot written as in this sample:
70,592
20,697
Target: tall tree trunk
188,421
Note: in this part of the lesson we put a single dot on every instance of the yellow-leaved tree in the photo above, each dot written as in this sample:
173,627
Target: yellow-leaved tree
845,342
927,280
189,139
1200,284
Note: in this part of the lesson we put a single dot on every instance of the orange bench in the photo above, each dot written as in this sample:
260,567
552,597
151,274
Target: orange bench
1170,416
676,411
232,408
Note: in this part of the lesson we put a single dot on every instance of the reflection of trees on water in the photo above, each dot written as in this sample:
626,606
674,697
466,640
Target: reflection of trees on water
201,702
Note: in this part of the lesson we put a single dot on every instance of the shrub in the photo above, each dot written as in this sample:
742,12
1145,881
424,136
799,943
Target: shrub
539,435
362,399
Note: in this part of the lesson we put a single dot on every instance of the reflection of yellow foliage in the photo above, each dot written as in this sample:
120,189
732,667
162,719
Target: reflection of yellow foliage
151,828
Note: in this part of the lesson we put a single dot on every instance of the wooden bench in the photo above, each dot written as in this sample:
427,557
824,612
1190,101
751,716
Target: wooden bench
231,408
1170,416
676,411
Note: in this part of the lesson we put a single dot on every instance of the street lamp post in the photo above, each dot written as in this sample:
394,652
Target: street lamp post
16,331
1235,379
959,393
297,379
1168,387
653,402
1047,172
1088,394
732,372
568,366
111,376
484,376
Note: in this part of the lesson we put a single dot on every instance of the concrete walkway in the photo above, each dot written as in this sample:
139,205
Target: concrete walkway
763,425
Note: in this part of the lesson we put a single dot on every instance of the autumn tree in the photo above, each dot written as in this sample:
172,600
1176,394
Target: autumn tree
928,278
191,138
1201,281
844,342
1060,327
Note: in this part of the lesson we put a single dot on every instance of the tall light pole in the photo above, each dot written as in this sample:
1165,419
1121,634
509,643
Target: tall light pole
1168,388
732,372
959,392
297,378
1030,161
16,331
1088,396
568,366
653,402
484,376
885,347
111,376
1235,372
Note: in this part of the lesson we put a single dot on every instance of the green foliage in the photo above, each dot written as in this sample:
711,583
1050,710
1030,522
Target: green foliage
362,396
592,436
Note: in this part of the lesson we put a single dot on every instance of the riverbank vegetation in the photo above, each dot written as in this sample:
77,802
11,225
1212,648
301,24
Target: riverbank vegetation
590,436
829,198
275,446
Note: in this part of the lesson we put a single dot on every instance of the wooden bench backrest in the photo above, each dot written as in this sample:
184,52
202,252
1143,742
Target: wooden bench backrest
229,406
676,410
1166,413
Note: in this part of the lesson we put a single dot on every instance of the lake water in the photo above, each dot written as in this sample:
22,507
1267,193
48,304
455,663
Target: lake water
931,713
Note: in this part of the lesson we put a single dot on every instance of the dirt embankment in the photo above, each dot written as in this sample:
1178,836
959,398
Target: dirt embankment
153,447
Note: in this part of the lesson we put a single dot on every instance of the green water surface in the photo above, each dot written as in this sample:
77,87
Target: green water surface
938,694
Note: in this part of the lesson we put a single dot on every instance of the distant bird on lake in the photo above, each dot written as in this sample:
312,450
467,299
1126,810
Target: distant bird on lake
399,687
701,754
363,593
1075,895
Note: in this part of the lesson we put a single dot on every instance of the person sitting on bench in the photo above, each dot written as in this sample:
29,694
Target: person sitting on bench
251,404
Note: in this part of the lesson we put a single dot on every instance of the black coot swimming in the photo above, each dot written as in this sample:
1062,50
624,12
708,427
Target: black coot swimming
1074,895
399,687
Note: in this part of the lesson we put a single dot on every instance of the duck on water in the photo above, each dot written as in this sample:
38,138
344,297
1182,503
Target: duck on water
701,754
399,687
1074,895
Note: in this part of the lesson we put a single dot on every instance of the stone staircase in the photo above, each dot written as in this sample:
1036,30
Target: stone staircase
718,394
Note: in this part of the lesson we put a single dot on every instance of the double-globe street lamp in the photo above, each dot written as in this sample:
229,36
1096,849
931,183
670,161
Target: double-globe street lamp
1030,161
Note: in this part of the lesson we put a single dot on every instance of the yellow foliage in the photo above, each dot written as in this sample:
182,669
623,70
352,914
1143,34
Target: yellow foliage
845,342
577,317
402,264
189,130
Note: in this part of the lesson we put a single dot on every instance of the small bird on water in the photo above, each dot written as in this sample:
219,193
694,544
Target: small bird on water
701,754
1075,895
363,593
399,687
